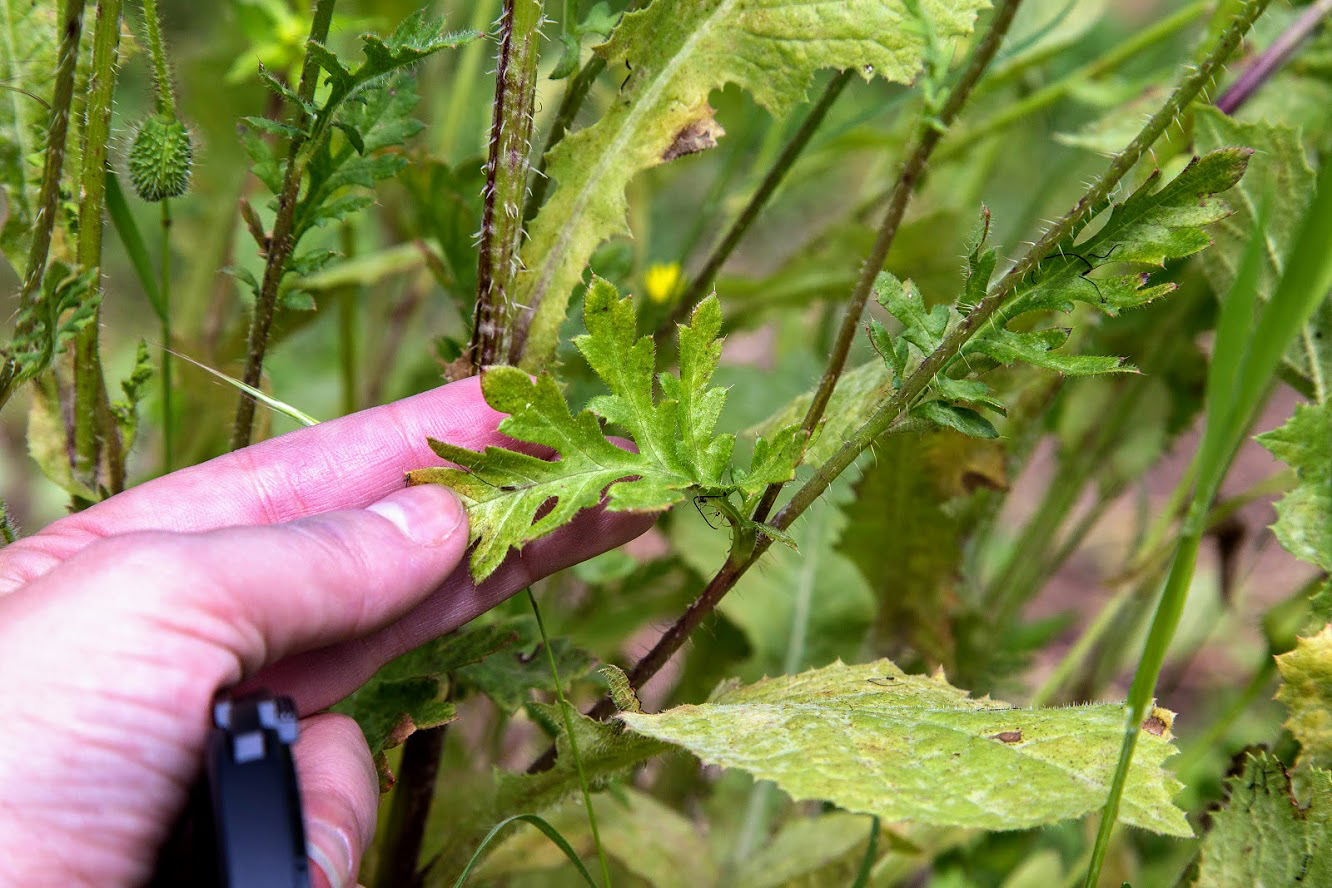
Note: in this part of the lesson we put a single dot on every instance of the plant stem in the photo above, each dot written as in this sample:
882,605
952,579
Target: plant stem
892,409
165,95
698,287
94,427
930,132
506,180
347,328
48,194
565,711
1273,57
282,242
400,848
168,436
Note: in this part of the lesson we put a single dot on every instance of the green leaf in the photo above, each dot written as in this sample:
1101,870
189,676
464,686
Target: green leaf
1263,836
126,411
678,455
961,419
675,55
65,305
808,851
1306,689
1304,516
1280,174
411,692
508,676
872,739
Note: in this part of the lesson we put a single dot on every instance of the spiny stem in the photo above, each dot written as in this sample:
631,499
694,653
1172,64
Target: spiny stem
48,195
94,425
698,287
1273,57
168,435
931,130
506,180
891,410
165,96
282,241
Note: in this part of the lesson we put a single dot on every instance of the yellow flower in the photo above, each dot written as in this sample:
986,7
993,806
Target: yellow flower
663,281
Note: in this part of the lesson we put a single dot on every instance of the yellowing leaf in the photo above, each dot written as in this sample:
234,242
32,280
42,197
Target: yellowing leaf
1306,689
674,54
1263,837
872,739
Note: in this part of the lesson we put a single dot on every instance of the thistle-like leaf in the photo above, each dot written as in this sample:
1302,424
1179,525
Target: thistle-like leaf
1304,516
28,34
678,455
873,739
675,54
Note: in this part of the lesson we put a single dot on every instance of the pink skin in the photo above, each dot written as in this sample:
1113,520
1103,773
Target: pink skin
300,564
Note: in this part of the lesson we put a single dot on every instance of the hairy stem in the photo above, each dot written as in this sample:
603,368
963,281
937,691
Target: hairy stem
165,96
506,180
1272,58
94,426
48,195
168,435
282,241
931,131
400,848
698,287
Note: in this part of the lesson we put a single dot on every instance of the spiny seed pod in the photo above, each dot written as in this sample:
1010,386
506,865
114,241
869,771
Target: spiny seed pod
160,157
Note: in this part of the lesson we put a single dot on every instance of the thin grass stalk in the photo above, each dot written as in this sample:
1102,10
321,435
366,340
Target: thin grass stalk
48,194
507,167
282,240
95,432
931,130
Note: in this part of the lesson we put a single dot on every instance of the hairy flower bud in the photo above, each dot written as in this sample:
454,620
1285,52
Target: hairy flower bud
160,157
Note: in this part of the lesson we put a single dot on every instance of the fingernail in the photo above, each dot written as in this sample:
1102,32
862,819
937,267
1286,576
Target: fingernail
427,515
329,850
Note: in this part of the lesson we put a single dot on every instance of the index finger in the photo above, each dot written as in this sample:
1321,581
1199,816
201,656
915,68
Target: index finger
344,463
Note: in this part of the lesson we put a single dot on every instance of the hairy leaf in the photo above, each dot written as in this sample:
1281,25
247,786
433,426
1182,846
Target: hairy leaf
126,410
1304,516
675,54
1280,175
1263,836
508,676
1306,689
66,304
872,739
678,454
1152,225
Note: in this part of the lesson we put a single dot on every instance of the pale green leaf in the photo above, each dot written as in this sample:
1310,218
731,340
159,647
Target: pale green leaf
28,34
675,54
509,676
1306,689
810,851
872,739
1304,516
677,454
1263,837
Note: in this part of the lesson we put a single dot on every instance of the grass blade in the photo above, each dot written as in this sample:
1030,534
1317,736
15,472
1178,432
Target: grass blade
550,832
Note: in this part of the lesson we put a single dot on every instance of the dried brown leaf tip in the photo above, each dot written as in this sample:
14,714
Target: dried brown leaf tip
1158,722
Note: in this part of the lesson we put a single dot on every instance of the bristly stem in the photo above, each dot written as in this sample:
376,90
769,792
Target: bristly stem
48,195
698,287
507,167
931,130
165,96
165,104
891,410
95,430
1272,58
282,241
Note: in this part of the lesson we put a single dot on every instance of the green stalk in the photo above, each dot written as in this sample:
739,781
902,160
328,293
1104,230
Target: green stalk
891,410
165,95
168,436
1244,365
48,195
94,427
282,241
348,299
931,129
565,710
506,181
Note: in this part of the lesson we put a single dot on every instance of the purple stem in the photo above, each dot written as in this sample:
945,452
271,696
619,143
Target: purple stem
1271,60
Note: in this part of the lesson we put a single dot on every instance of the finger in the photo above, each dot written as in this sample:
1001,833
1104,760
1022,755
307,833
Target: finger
339,797
215,606
320,678
345,463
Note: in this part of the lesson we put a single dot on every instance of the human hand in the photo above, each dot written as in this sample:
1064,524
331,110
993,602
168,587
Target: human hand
299,564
